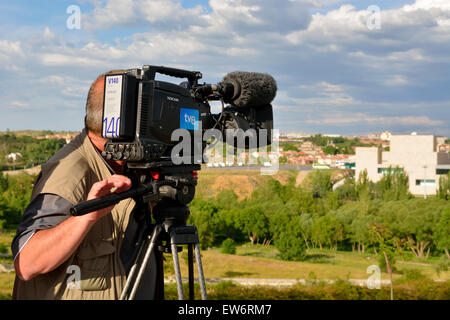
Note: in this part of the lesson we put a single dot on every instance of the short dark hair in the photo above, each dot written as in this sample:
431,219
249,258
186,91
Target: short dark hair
94,104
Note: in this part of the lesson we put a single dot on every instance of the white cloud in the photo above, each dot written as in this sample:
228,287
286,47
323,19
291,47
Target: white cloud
60,60
67,86
428,4
115,12
396,80
123,13
10,50
48,34
19,104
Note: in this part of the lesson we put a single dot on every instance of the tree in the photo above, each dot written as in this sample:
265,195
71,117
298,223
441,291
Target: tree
290,147
288,237
363,185
202,216
332,201
254,223
327,230
3,182
444,187
305,227
412,222
3,212
394,185
330,150
347,191
227,199
442,232
321,183
318,140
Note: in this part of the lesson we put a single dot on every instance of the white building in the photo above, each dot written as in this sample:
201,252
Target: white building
385,136
14,156
416,155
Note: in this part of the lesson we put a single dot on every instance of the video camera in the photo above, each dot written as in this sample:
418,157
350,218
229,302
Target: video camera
141,114
142,119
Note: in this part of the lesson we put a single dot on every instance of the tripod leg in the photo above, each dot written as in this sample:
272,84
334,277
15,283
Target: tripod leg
159,288
150,249
176,265
201,276
132,271
191,271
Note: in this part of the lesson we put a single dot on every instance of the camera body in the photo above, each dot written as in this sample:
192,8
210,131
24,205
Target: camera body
140,114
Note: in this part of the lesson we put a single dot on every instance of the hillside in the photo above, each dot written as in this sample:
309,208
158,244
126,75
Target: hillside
244,182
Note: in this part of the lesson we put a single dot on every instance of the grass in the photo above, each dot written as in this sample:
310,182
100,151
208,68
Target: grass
6,279
6,285
263,263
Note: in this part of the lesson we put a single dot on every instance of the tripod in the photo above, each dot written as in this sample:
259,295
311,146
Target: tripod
171,189
171,228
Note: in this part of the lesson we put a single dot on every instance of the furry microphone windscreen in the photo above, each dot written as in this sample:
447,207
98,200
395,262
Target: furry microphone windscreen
251,89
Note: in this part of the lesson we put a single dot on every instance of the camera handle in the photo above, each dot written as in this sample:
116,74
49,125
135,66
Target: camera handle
192,76
150,190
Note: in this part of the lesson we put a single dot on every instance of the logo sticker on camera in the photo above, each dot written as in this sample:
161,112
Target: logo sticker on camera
189,119
112,106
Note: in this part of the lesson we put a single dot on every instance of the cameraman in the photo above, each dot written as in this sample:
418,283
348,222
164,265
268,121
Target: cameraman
52,247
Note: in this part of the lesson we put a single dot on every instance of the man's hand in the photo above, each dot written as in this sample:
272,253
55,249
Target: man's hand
116,184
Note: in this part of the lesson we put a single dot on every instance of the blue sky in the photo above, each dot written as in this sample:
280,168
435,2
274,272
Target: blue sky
334,73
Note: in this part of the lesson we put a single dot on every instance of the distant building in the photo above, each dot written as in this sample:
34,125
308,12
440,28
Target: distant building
416,155
385,136
445,147
14,156
441,140
309,148
296,135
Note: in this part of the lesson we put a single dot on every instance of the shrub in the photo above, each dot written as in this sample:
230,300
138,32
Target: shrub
413,274
291,246
443,265
229,246
340,290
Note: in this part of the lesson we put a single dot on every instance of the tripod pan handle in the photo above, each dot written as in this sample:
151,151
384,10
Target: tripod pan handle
85,207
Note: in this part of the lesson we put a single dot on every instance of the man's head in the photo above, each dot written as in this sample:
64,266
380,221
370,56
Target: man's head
94,105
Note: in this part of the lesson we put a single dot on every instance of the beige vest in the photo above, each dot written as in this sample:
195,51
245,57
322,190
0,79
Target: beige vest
70,173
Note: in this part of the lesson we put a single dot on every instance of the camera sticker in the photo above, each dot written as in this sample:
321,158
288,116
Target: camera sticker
189,119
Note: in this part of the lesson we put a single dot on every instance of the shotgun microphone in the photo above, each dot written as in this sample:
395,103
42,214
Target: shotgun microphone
248,89
241,89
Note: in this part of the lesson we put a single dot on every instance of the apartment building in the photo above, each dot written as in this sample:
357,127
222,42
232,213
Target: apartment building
416,155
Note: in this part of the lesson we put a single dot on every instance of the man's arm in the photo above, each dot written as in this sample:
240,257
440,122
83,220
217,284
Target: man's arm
47,249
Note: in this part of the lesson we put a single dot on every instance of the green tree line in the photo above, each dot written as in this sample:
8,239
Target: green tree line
330,145
34,151
15,193
358,215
